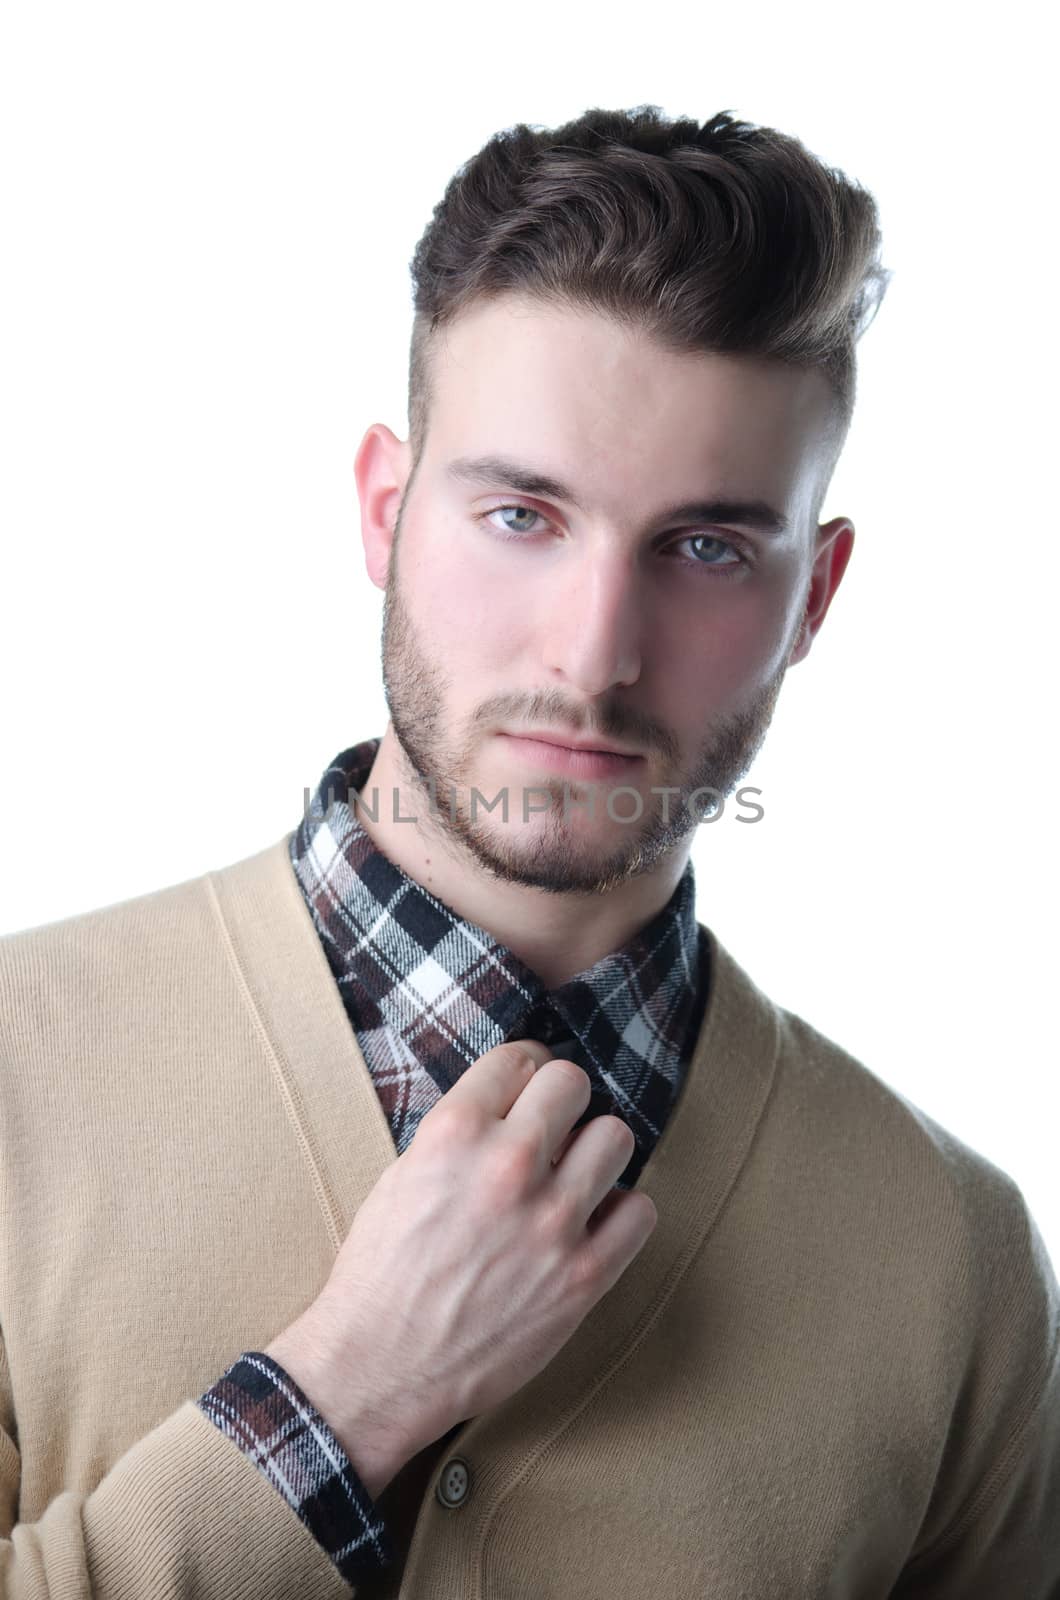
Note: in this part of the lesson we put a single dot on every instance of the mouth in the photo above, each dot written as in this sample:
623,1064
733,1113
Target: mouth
558,736
552,756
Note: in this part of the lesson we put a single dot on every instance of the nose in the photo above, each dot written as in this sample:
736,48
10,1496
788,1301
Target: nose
594,624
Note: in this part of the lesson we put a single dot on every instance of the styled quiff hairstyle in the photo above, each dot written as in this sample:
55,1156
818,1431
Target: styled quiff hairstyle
721,237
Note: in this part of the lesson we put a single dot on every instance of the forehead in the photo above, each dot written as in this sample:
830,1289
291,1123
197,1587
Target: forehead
610,409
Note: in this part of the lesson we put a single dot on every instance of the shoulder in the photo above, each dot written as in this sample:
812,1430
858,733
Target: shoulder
116,935
959,1216
871,1175
92,947
873,1119
93,980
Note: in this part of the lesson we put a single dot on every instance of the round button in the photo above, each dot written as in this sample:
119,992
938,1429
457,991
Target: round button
454,1483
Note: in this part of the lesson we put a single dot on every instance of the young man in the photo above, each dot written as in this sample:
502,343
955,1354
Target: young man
430,1204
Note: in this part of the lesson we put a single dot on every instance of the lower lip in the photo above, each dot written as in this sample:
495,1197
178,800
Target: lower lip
579,763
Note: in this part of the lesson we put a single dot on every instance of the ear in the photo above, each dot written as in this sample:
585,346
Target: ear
834,544
381,470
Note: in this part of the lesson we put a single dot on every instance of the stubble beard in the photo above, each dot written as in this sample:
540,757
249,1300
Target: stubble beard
551,857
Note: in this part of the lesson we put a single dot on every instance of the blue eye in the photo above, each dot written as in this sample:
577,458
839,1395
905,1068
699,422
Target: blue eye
526,511
723,544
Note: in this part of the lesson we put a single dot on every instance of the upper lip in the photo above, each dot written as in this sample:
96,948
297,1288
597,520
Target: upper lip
570,742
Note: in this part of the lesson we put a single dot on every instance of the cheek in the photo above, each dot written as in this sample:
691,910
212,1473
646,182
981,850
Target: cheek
720,647
466,622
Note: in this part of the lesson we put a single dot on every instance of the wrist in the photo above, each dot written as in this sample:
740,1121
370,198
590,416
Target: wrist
376,1446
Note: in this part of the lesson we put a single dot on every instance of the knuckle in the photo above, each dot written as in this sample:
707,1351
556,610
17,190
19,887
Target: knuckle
585,1271
449,1120
560,1215
508,1170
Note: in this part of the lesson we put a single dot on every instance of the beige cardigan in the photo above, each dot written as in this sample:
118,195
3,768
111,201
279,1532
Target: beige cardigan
837,1351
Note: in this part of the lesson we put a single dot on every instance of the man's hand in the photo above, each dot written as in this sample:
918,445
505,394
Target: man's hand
471,1263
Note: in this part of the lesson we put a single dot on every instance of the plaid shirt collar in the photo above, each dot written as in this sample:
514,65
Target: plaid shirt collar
428,992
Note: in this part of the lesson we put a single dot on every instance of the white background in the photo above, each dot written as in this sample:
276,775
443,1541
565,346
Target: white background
208,212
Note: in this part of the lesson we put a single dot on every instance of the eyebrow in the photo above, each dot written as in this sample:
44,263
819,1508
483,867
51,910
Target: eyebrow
503,472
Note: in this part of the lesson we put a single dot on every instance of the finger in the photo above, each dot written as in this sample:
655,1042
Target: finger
595,1162
564,1146
566,1142
621,1224
497,1079
552,1101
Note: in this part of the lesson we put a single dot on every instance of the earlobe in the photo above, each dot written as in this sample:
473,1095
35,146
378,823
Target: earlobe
381,471
801,644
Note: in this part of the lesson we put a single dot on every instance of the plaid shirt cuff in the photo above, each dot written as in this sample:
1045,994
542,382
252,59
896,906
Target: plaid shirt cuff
259,1405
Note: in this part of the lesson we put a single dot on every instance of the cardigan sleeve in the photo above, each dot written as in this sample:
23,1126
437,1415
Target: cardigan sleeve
185,1513
994,1525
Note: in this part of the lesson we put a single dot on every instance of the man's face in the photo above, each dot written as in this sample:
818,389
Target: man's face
598,611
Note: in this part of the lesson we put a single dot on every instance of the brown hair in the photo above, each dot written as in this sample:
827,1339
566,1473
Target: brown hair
716,237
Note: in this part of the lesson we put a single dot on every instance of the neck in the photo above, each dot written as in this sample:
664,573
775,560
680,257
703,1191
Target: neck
555,935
